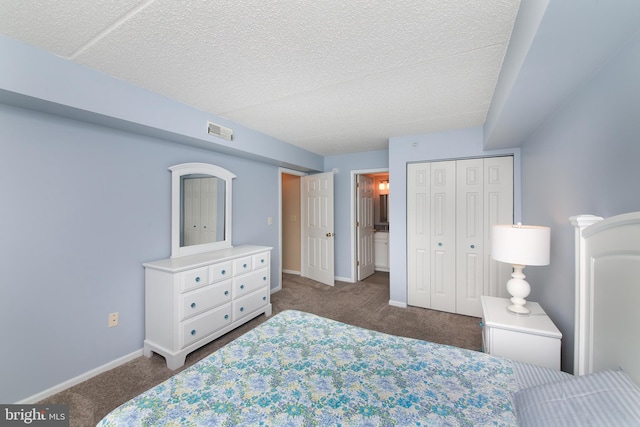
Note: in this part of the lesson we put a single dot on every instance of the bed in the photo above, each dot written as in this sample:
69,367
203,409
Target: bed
300,369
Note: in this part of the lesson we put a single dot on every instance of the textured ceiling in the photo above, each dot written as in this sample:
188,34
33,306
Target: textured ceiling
332,77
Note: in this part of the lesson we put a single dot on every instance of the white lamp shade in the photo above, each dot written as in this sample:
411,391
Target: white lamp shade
520,244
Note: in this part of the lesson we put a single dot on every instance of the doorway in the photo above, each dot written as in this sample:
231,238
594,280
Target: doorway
370,213
307,225
290,236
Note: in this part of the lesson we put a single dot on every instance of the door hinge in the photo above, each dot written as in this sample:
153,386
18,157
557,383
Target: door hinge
357,223
358,263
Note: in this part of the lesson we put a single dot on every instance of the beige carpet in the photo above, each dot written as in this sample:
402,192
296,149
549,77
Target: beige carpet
364,304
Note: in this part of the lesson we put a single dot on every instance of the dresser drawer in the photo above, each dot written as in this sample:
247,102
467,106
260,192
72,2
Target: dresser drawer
204,325
203,299
221,271
250,282
261,260
250,303
194,278
243,265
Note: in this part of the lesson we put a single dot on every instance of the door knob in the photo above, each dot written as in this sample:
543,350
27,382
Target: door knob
330,234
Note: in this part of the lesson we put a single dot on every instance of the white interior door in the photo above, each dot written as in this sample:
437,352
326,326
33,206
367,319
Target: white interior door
443,236
498,209
317,233
470,233
419,234
364,226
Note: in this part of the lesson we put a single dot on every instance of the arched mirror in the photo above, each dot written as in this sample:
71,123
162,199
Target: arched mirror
200,208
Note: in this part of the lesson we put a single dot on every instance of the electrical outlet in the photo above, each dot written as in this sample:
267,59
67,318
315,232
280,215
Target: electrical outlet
113,320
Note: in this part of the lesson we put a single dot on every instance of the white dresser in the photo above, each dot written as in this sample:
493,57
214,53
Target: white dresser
531,338
192,300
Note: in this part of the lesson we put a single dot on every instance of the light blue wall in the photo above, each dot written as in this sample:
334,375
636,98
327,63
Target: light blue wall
584,160
343,199
83,206
85,192
423,148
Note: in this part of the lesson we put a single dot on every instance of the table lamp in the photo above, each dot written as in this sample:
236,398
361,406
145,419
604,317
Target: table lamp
520,245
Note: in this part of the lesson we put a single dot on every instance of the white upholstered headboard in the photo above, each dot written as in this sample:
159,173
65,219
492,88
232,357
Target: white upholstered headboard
607,327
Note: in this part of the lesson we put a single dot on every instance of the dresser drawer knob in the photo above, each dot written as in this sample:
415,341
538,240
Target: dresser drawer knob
481,325
439,243
264,278
241,286
262,261
241,309
226,293
197,279
226,316
223,272
264,298
473,246
193,305
193,332
244,265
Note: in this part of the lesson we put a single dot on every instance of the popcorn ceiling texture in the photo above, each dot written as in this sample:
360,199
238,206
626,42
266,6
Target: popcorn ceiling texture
330,76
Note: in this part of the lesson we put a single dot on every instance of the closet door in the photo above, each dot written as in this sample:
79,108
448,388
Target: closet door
498,209
451,207
443,236
470,241
419,234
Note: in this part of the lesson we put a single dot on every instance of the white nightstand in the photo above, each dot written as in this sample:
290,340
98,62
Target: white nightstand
531,338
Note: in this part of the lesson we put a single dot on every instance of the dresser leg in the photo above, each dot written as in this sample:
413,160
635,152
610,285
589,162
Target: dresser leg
175,362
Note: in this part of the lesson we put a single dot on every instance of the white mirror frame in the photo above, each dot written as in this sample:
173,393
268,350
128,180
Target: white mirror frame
177,172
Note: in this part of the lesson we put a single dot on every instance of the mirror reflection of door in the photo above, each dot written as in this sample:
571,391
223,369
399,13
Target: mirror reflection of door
200,209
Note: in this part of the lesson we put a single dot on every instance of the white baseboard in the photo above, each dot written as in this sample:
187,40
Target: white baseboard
397,304
80,378
297,273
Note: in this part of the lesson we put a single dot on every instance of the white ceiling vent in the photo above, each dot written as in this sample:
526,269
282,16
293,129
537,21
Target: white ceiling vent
221,131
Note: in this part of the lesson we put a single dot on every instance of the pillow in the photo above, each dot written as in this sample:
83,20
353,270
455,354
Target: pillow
607,398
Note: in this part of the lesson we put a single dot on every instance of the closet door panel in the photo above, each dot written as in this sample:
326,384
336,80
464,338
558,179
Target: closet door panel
443,236
470,236
418,235
498,209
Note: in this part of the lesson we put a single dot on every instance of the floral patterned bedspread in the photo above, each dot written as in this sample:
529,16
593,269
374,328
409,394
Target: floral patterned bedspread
298,369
